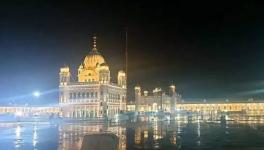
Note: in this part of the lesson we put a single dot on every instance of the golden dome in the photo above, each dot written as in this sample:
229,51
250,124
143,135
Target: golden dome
94,58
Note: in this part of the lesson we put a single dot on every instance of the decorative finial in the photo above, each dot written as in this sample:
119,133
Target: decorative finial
94,43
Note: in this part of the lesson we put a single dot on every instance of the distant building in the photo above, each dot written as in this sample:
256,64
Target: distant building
93,95
215,107
155,101
172,102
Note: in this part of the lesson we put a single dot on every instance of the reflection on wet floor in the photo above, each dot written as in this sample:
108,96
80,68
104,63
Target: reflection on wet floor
182,133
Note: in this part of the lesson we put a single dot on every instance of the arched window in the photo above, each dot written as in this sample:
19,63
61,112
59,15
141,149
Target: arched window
74,95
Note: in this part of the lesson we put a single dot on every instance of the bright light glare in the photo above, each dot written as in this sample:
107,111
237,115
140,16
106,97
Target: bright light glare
19,113
36,93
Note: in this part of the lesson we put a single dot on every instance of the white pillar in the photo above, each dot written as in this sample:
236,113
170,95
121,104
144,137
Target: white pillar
85,112
94,111
97,111
89,111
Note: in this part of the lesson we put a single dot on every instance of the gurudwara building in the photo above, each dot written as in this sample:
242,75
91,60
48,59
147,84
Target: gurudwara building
157,100
93,95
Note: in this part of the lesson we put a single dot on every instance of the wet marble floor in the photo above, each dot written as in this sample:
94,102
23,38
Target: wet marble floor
179,134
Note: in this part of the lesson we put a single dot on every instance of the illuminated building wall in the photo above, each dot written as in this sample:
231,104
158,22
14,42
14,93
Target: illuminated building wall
250,108
172,102
155,101
93,95
29,110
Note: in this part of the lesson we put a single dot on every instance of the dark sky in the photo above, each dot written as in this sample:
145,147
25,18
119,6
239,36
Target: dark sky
208,50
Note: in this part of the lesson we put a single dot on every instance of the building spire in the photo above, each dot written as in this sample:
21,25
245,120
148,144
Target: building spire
94,43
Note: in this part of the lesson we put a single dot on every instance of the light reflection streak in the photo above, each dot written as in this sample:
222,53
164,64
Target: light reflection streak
35,137
18,137
198,127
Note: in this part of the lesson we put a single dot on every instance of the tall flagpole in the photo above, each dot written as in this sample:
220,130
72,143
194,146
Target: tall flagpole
126,53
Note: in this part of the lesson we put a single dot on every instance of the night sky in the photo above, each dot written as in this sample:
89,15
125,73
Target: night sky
208,50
